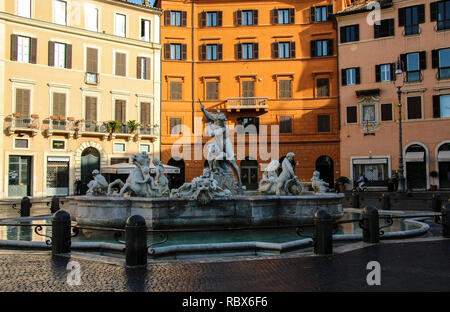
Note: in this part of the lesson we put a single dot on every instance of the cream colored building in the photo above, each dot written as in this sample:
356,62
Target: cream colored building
66,69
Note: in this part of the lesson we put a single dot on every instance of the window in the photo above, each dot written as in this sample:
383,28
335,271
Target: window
143,68
120,25
440,12
283,50
175,126
321,13
59,55
119,148
384,72
59,104
175,90
211,52
321,47
175,18
144,148
249,124
410,18
415,62
91,17
247,51
145,30
21,143
349,33
119,160
441,60
211,19
385,29
248,91
23,101
386,112
145,114
414,106
246,18
323,123
175,51
283,16
352,116
23,49
24,8
121,64
351,76
60,12
120,111
212,90
91,66
368,113
323,87
285,124
285,89
441,106
91,108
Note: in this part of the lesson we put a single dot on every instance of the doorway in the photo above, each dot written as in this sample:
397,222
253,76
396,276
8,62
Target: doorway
249,173
416,169
90,161
324,164
176,179
19,176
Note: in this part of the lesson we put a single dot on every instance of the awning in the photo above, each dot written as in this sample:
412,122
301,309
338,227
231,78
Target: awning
444,156
414,156
125,168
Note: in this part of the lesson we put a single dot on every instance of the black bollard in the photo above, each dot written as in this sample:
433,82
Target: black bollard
355,199
61,234
371,223
25,207
323,233
55,204
136,241
436,204
386,201
446,221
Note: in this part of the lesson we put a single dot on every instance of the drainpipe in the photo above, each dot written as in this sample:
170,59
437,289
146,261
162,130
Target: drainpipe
193,66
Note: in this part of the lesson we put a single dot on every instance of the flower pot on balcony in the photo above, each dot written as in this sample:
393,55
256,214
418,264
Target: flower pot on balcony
16,115
53,117
62,118
35,116
70,118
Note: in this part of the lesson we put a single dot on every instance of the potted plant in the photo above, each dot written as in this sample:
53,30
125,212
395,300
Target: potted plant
342,181
113,126
53,117
433,183
35,116
16,115
132,125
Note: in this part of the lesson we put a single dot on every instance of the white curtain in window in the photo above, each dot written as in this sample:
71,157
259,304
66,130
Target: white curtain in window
120,25
24,8
60,55
60,12
91,17
146,30
23,49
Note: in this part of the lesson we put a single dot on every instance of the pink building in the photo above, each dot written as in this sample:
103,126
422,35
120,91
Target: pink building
418,33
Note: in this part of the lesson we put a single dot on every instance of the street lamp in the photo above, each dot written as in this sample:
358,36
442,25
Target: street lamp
401,178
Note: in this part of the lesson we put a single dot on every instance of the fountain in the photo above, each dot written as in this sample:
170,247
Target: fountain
212,200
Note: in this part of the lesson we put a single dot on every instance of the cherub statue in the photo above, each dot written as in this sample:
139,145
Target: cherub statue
268,184
319,185
98,186
161,182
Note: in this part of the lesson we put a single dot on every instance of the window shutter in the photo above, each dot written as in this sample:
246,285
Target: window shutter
404,62
386,112
436,106
312,14
401,17
330,49
435,59
393,76
120,64
342,33
68,56
167,51
167,18
329,12
147,68
145,113
414,107
357,33
91,108
91,59
59,104
25,112
203,52
120,111
19,101
391,27
313,48
184,18
219,52
421,13
51,53
351,114
377,73
433,11
117,110
344,77
183,51
255,17
219,18
13,47
275,50
423,60
291,16
255,51
292,49
33,50
357,75
238,18
203,19
275,17
138,68
323,123
238,51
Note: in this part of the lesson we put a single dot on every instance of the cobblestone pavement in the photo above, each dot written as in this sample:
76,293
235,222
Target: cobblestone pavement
414,266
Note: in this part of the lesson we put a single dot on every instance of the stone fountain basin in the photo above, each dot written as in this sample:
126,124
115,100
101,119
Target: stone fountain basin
165,213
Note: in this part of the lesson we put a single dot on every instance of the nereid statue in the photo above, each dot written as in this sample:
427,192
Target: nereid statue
98,186
268,184
319,185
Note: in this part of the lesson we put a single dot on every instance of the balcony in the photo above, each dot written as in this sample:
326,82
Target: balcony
20,124
149,132
123,132
60,125
257,103
91,129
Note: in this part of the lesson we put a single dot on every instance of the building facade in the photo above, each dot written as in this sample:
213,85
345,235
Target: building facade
265,65
417,33
67,70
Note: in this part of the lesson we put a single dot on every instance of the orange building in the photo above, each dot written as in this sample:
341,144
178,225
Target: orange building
262,63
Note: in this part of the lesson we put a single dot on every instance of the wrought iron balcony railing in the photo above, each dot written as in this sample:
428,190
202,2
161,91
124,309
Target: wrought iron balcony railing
247,103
